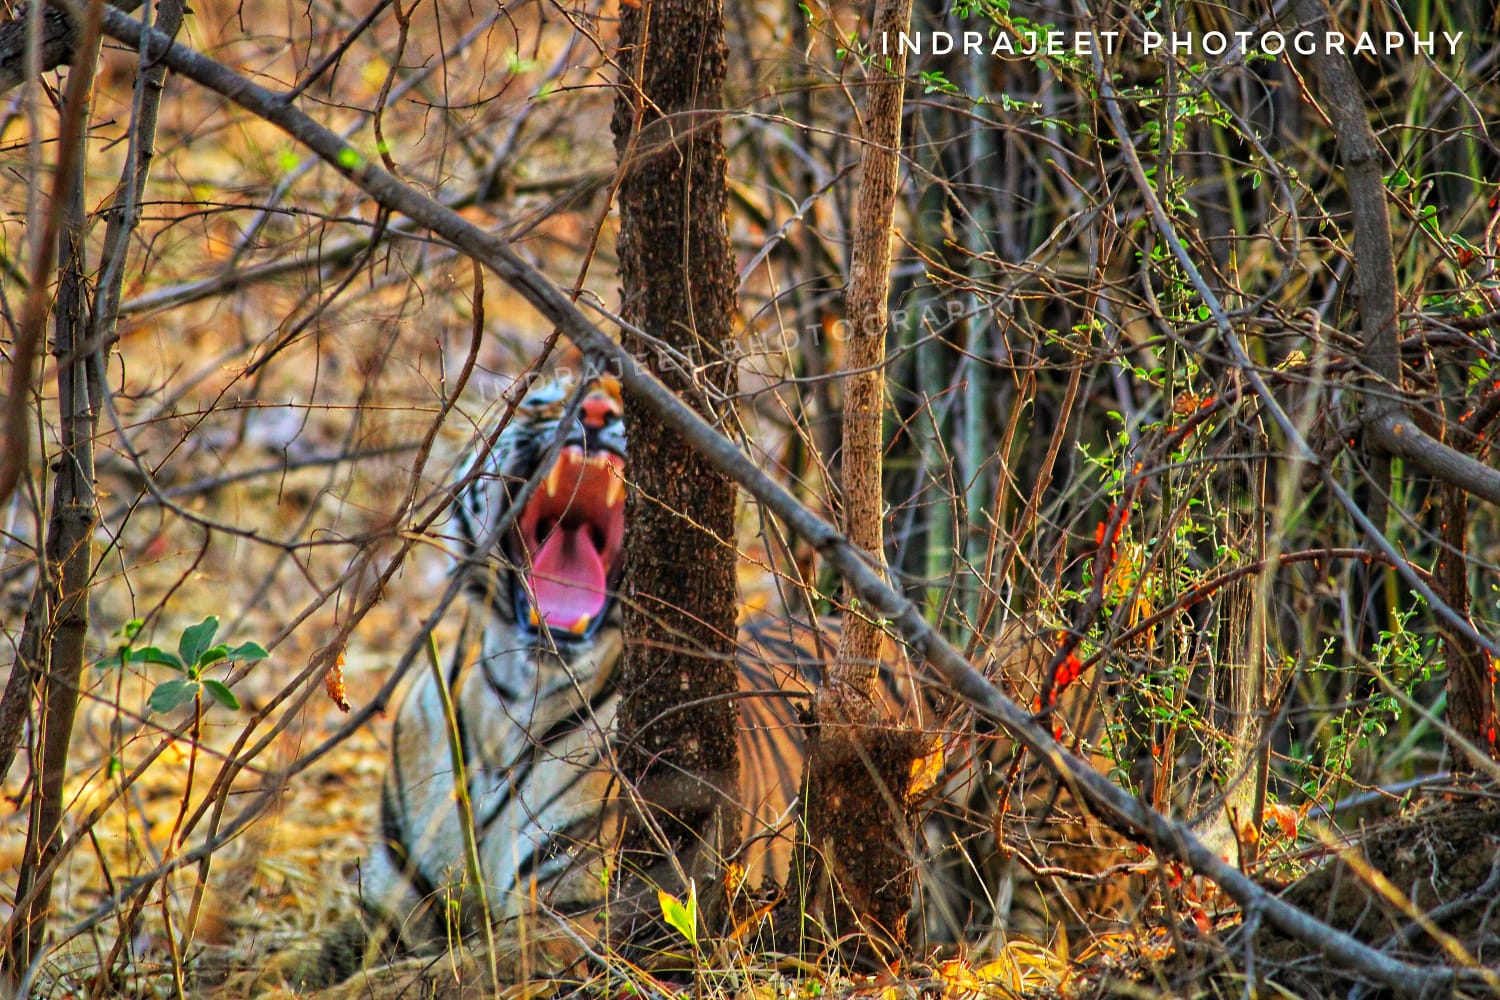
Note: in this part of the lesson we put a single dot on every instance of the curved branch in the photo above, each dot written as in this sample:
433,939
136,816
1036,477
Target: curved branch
1397,434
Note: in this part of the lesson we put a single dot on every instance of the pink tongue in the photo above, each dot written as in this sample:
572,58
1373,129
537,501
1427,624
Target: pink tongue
568,577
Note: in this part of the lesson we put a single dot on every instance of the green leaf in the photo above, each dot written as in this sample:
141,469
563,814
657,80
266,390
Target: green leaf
247,651
197,638
213,655
121,639
681,917
172,694
221,694
150,654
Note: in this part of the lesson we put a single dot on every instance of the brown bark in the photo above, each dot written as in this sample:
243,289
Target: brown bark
1389,429
1471,682
1471,687
864,360
677,277
68,562
858,812
860,818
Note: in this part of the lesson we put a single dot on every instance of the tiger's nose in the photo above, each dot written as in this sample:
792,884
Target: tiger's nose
598,409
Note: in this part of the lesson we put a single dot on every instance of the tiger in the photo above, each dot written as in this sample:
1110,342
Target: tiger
533,685
532,681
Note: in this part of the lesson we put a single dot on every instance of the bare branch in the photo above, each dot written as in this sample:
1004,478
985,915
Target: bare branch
1302,452
1397,434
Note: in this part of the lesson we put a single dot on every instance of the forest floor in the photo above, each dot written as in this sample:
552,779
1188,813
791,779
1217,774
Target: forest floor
1421,887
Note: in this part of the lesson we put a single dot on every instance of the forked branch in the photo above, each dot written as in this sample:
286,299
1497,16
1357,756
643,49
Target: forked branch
1386,420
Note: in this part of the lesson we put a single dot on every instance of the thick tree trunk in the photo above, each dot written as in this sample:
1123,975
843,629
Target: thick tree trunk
677,727
858,810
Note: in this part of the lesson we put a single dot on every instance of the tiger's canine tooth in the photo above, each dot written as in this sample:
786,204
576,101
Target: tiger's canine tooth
614,490
554,478
581,625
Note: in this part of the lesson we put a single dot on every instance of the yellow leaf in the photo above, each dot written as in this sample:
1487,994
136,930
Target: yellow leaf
926,771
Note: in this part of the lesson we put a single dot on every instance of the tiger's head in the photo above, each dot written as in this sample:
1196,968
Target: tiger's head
551,566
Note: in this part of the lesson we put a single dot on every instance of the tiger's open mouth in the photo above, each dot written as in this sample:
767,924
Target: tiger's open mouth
569,540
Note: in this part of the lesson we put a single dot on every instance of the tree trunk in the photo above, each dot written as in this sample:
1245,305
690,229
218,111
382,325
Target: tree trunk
65,575
1471,679
1471,684
55,657
1388,431
858,811
52,650
677,726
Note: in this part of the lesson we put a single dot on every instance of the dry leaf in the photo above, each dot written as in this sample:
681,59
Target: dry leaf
1285,819
333,683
